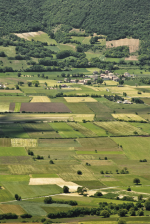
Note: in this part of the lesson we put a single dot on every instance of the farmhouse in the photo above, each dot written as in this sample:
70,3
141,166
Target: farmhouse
1,86
126,74
127,102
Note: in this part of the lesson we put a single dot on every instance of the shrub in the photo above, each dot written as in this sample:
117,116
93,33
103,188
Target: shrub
65,189
79,172
26,216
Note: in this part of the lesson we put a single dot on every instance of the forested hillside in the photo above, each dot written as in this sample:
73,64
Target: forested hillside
114,18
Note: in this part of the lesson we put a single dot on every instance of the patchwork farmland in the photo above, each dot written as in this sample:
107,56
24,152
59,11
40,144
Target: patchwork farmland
66,127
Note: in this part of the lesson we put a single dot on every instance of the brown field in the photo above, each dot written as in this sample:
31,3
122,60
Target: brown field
11,107
27,36
44,107
132,43
5,142
17,209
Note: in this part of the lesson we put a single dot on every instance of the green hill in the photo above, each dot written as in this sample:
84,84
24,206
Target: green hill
114,18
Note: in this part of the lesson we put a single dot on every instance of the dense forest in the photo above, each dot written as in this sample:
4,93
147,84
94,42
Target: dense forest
114,18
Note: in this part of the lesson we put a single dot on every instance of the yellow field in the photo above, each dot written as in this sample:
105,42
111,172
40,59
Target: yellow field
40,99
111,83
129,90
79,99
17,209
128,117
19,142
10,91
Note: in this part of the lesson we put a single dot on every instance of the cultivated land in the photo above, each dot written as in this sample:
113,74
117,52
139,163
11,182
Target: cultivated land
53,136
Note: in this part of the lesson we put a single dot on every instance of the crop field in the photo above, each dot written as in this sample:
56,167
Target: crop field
29,191
94,128
17,209
79,108
12,151
16,99
9,51
44,107
142,126
100,144
13,131
17,107
5,142
82,129
4,107
135,148
18,142
116,128
132,43
58,143
79,99
40,99
65,131
128,117
41,130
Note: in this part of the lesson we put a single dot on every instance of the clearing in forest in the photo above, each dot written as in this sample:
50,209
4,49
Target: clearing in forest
133,44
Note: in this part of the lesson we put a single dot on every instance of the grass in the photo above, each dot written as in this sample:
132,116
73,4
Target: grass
82,129
16,99
135,148
65,131
9,51
119,128
12,151
79,99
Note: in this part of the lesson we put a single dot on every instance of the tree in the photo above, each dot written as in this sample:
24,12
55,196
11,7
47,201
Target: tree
81,190
19,74
48,200
140,197
136,181
65,189
122,212
17,87
121,82
79,172
51,162
100,80
29,84
105,214
147,205
35,83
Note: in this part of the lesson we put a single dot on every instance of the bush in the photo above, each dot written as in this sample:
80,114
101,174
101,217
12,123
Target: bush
65,189
51,162
79,172
26,216
48,200
105,214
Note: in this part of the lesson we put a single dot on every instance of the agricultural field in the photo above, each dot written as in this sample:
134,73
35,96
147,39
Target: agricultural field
53,135
128,117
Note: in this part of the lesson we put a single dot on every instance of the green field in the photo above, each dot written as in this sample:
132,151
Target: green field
65,131
17,107
120,128
12,151
41,130
94,128
135,148
82,129
13,130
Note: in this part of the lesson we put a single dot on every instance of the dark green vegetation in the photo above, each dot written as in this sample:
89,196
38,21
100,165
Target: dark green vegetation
125,19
